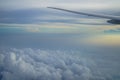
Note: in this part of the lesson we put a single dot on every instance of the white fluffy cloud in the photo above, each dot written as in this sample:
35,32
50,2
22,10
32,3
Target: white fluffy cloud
31,64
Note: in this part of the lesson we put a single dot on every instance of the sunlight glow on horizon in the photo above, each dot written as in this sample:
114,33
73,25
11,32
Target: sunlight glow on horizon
103,40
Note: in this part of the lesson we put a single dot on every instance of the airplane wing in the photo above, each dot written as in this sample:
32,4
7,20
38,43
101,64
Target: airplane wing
90,14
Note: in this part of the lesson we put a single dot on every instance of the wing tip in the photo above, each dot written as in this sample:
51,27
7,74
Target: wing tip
50,7
53,7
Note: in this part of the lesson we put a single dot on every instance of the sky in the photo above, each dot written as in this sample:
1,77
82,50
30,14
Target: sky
76,4
34,16
38,43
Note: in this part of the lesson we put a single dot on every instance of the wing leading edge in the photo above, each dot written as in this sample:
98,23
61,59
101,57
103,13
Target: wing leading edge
113,18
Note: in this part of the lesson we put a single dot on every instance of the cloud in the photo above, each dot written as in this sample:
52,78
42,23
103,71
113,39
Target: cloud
36,64
86,4
117,30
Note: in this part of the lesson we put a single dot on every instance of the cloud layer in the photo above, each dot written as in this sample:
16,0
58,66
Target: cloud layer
86,4
36,64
